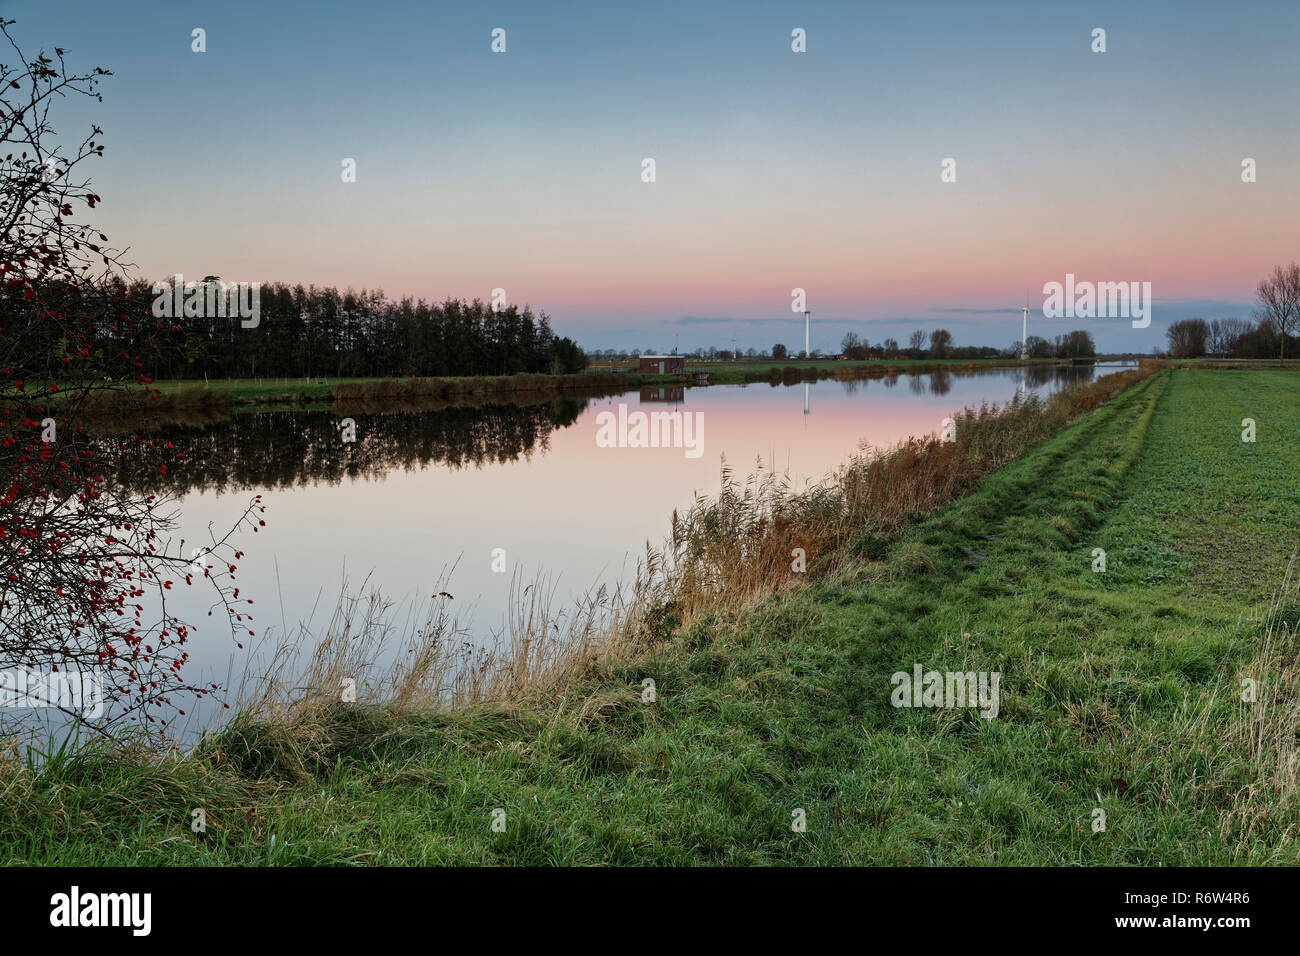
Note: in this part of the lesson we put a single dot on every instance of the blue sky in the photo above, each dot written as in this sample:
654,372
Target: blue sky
775,170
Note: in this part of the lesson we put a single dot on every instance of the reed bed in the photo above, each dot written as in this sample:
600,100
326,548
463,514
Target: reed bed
422,658
742,544
454,390
293,708
105,404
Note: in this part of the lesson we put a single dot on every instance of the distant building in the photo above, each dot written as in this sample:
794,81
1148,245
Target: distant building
663,364
875,355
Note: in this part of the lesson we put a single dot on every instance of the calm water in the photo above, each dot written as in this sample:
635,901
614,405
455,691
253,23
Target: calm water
420,492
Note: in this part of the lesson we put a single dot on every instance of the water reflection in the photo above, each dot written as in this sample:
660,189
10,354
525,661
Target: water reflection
670,394
281,449
526,478
529,479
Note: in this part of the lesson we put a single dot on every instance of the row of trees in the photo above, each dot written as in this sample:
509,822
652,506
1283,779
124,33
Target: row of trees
309,331
1225,338
1076,344
1277,320
937,345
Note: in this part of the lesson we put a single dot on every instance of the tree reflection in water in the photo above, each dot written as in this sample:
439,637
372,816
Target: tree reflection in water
282,449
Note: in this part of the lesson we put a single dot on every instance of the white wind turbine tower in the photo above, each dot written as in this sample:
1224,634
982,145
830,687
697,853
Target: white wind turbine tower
1024,344
1024,329
807,354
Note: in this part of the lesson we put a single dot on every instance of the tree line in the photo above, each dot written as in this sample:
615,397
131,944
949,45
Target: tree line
1274,326
308,331
939,344
1223,338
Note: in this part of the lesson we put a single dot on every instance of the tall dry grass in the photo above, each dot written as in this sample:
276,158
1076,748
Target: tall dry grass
456,390
1267,729
422,659
126,404
740,545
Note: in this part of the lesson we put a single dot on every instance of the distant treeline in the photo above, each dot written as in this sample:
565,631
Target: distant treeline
309,332
1076,344
1227,338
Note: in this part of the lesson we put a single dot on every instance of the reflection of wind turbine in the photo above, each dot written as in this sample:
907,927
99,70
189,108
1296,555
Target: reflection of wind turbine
806,409
1023,389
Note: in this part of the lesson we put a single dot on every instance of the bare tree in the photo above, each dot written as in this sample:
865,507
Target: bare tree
940,343
1188,338
1225,334
1076,344
853,347
1037,347
1279,299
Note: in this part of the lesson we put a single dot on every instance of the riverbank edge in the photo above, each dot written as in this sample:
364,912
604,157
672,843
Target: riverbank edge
272,393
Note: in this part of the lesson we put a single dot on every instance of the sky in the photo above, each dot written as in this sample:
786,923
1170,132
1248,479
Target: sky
774,170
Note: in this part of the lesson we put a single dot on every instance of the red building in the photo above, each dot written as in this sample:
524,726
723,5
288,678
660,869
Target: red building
663,364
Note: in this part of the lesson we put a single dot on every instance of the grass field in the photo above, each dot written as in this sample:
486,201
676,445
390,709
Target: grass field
1120,692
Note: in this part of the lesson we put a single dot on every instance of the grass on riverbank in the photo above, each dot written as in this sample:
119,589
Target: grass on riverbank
1120,692
455,389
602,378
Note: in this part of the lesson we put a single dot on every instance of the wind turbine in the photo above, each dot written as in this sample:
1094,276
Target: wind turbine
807,354
1024,329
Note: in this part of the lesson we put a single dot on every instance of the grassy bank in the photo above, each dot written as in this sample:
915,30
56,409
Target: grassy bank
468,389
462,389
1120,692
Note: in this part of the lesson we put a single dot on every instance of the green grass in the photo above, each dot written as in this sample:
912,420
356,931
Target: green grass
298,391
1118,687
262,390
320,392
